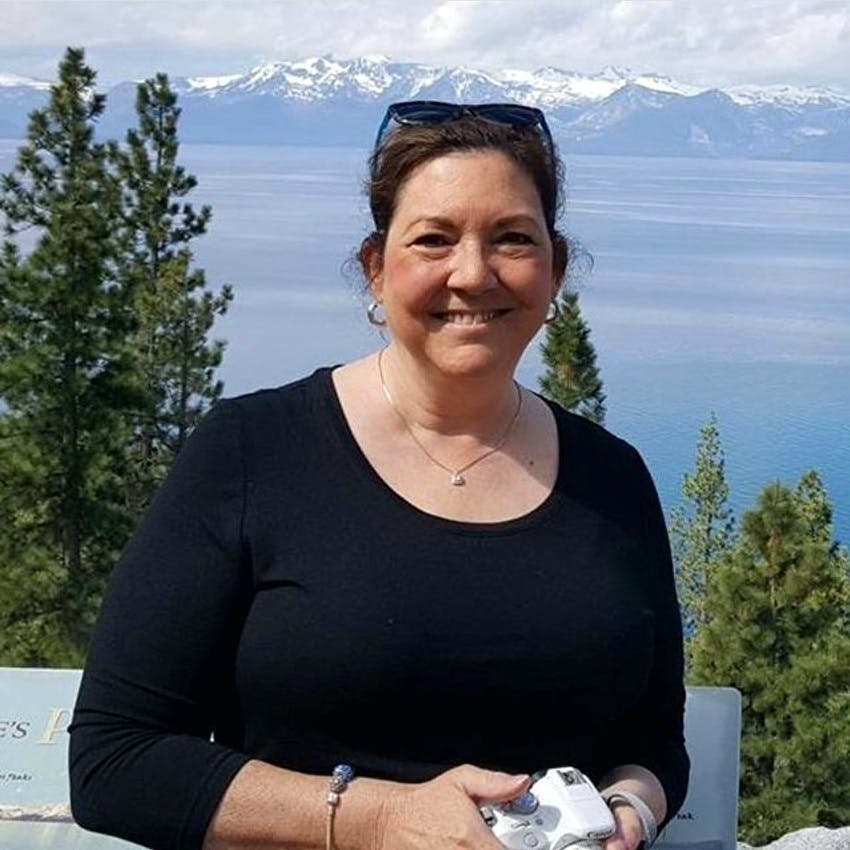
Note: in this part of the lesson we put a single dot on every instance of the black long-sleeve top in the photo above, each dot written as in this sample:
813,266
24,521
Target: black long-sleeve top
279,596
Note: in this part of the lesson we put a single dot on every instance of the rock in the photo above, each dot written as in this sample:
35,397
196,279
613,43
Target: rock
815,838
56,812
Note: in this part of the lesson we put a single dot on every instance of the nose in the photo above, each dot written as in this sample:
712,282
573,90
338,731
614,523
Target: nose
472,270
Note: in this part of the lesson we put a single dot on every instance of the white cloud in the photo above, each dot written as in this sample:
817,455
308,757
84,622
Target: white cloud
702,41
441,26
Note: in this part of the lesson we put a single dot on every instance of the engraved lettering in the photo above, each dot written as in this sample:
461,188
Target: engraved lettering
56,724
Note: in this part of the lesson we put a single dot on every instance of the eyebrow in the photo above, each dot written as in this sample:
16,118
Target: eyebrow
437,220
505,221
519,218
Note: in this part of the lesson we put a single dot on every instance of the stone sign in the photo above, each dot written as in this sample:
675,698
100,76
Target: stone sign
35,710
36,707
708,819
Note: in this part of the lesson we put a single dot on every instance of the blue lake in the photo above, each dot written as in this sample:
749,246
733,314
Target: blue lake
717,285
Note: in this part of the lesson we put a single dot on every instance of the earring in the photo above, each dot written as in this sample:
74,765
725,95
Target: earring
371,314
553,313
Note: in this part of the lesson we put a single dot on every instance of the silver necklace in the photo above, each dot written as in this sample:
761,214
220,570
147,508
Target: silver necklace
456,474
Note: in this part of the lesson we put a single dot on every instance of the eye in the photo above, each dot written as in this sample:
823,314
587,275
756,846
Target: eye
431,240
516,237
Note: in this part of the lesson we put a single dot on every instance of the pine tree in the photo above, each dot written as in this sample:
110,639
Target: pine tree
702,531
818,512
572,377
775,629
816,507
64,378
175,362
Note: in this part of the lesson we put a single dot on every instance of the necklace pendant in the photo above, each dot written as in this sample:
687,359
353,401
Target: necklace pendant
458,480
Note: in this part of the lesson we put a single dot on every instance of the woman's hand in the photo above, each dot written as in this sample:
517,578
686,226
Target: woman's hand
443,814
629,832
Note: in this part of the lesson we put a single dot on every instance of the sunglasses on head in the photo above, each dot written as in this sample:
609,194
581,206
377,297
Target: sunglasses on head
416,112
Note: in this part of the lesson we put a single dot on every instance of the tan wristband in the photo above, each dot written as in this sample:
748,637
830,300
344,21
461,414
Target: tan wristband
647,818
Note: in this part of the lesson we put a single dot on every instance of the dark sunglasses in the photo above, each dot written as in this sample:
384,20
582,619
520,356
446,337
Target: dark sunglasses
413,112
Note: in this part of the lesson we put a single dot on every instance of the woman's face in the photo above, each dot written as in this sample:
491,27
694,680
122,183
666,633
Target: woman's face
467,270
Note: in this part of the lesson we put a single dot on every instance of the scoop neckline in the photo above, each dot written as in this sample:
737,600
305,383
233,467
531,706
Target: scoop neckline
354,453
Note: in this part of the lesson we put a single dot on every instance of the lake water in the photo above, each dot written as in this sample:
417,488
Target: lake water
717,285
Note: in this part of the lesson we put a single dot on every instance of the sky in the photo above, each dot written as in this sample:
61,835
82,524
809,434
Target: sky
704,42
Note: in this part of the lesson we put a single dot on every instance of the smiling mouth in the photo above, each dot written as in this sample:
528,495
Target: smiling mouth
463,317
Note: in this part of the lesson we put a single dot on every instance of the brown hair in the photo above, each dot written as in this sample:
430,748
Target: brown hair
408,146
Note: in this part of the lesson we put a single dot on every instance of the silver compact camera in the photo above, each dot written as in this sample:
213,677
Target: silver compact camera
561,809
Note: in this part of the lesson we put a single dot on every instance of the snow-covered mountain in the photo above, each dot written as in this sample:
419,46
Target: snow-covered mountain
328,101
787,96
18,97
374,77
12,81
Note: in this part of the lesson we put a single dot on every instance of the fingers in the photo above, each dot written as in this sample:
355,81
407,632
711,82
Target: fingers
488,785
629,832
443,812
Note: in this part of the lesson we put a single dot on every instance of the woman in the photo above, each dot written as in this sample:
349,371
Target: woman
407,563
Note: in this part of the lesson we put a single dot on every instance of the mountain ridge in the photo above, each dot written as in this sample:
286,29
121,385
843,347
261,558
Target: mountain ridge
323,100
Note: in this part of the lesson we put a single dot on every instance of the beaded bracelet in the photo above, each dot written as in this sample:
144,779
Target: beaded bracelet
340,778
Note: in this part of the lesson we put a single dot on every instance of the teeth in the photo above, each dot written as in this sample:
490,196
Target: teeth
469,318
